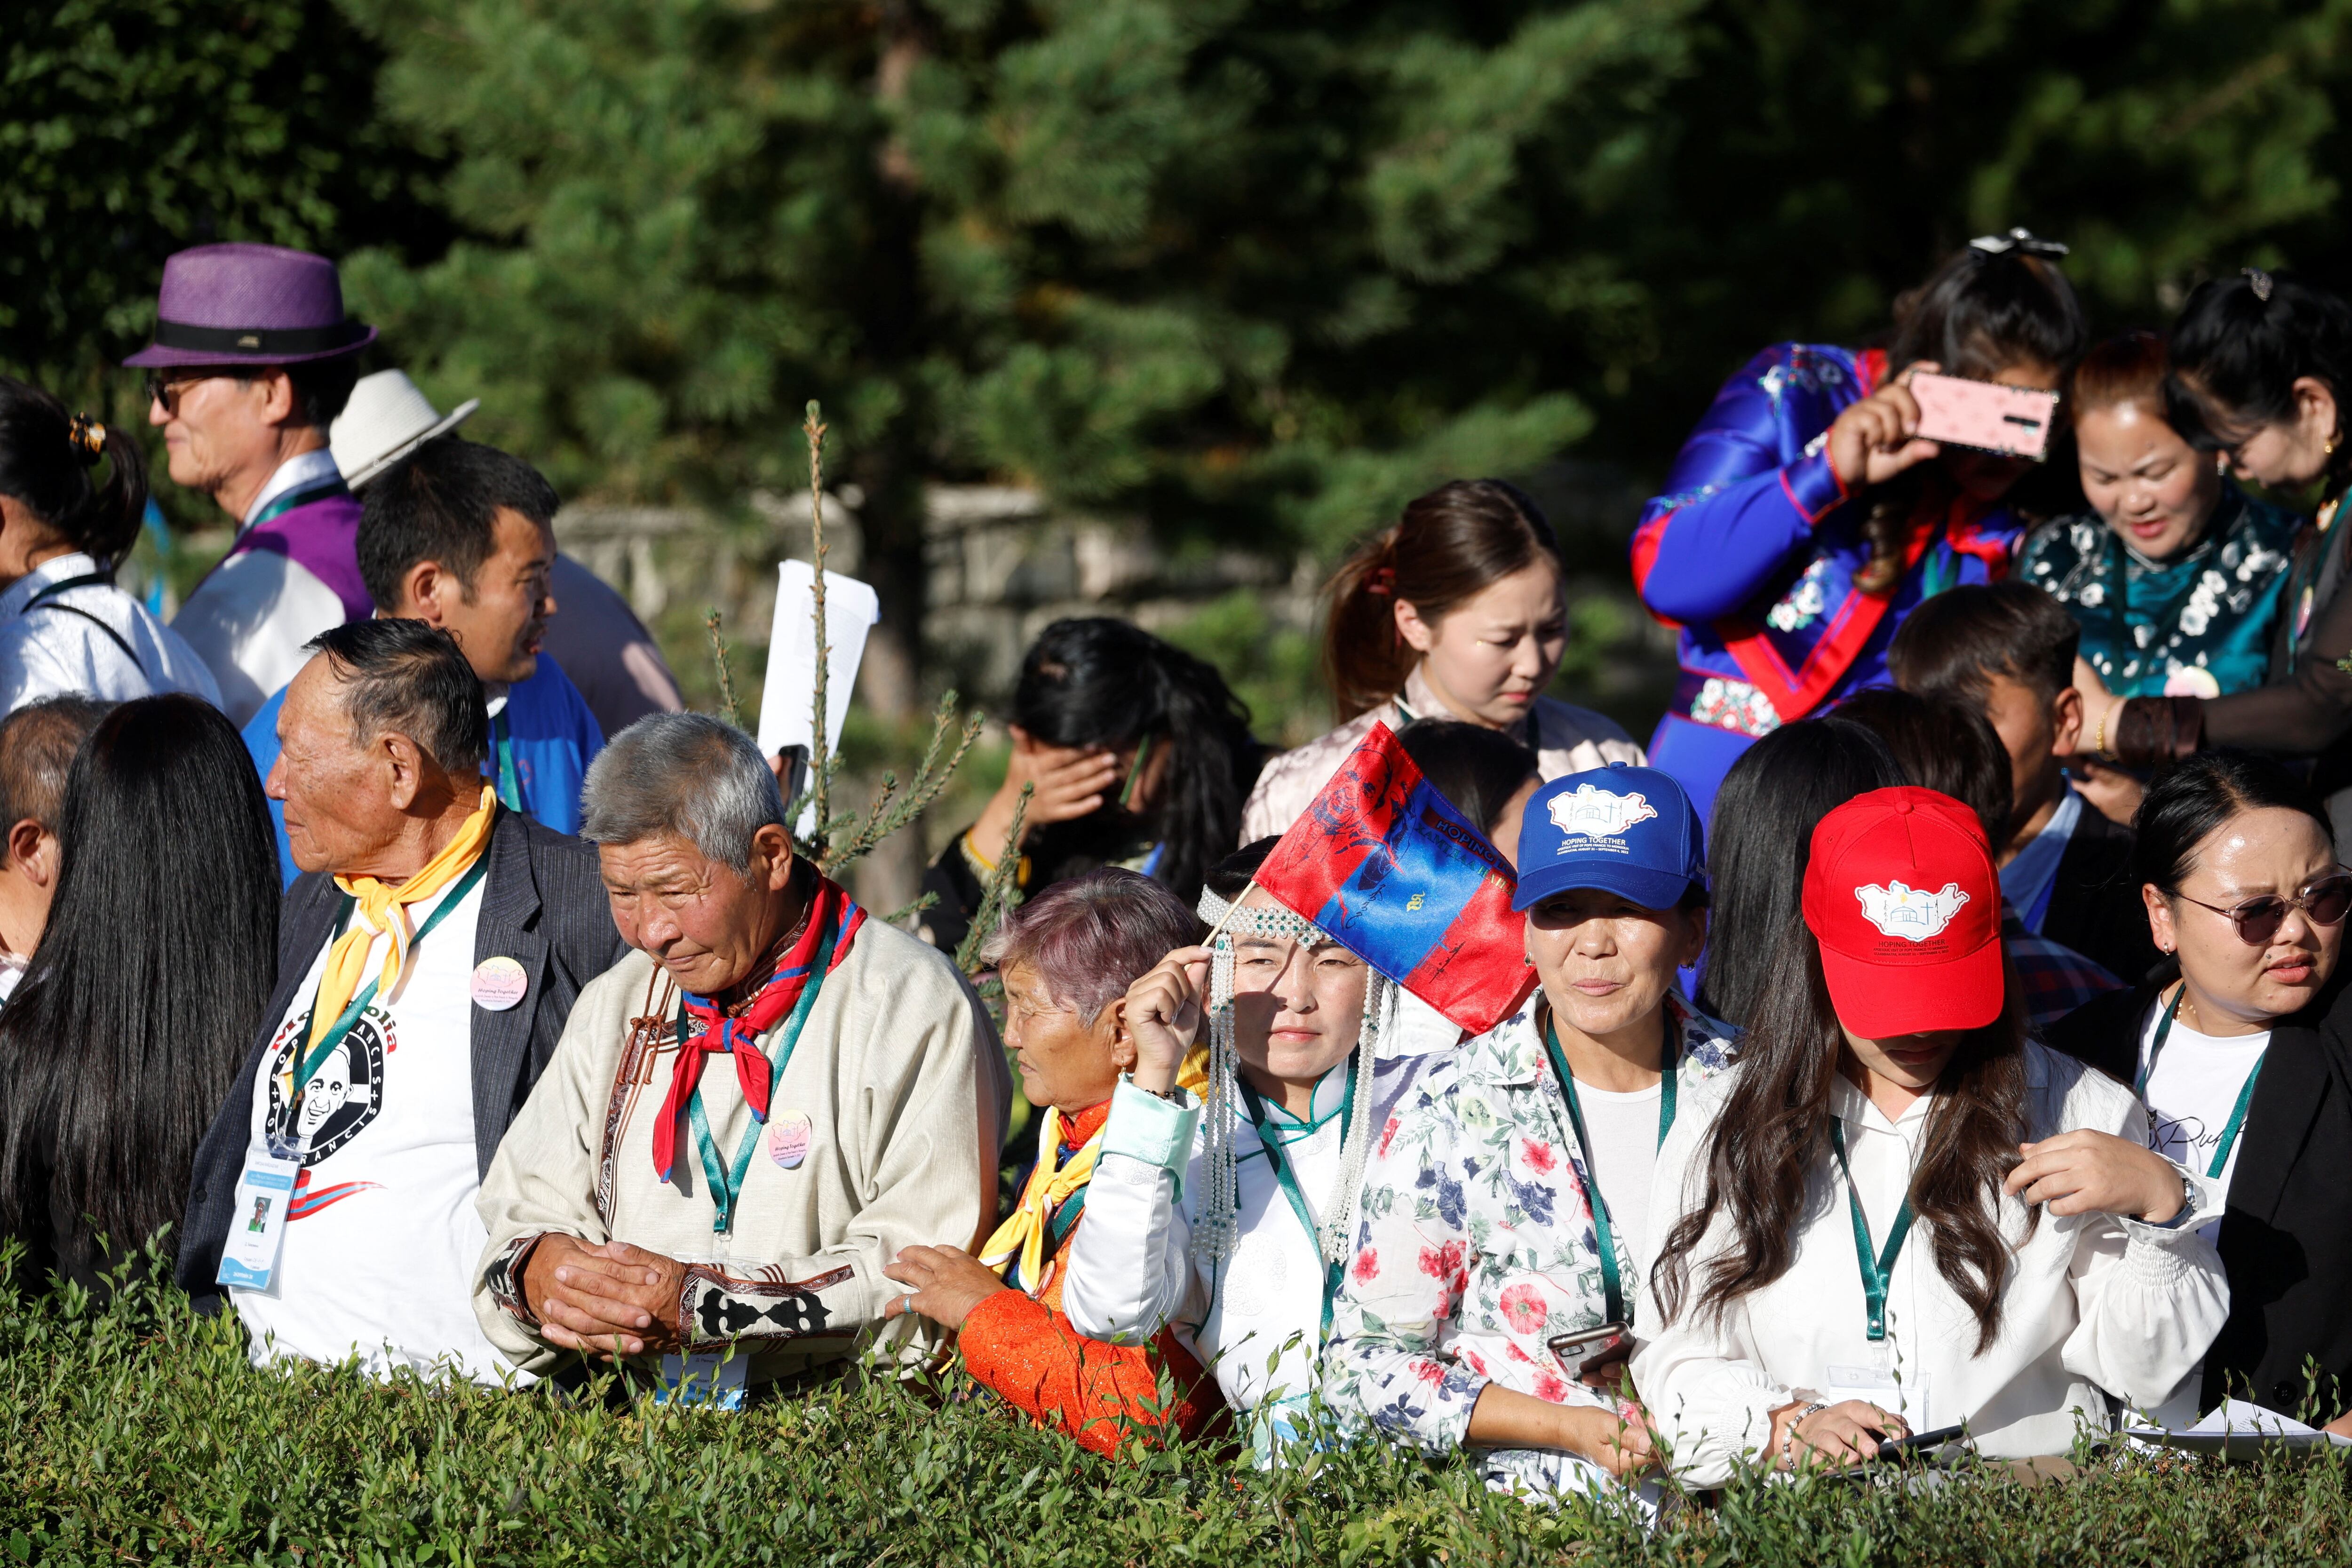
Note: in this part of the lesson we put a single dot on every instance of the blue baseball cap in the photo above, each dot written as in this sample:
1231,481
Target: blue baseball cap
1631,831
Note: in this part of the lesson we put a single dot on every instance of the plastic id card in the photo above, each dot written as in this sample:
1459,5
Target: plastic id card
257,1226
708,1379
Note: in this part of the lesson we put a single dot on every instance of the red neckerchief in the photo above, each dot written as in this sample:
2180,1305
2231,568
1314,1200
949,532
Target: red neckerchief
830,908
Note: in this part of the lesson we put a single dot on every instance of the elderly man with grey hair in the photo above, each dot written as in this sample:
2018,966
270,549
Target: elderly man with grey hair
748,1116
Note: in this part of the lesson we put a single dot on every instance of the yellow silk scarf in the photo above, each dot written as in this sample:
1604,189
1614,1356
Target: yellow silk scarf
382,911
1024,1232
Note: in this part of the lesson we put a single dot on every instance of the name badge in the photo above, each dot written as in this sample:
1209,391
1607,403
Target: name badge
256,1223
1877,1386
789,1133
712,1379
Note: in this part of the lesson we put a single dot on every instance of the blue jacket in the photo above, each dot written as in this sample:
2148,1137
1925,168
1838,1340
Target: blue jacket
1751,553
550,738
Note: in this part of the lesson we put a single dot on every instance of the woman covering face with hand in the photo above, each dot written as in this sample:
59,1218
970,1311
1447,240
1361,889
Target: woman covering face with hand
1898,1213
1241,1256
1067,959
2245,895
1507,1203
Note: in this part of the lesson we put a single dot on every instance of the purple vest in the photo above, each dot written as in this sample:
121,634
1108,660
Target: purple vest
322,537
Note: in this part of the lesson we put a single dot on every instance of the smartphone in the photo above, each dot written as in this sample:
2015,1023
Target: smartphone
2013,420
1588,1347
1896,1449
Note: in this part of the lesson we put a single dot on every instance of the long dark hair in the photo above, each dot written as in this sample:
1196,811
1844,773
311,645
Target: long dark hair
1451,545
1761,838
2239,348
1104,682
149,980
1474,768
46,457
1975,315
1773,1135
2196,798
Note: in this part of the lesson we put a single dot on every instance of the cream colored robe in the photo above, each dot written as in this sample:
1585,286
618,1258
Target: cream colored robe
904,1084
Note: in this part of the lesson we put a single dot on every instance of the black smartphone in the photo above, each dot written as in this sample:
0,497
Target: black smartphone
1896,1449
1588,1347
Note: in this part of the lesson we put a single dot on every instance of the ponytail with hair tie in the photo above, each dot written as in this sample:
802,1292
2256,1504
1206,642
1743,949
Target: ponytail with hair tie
88,436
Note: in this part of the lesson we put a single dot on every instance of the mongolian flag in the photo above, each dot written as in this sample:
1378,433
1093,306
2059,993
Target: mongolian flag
1408,884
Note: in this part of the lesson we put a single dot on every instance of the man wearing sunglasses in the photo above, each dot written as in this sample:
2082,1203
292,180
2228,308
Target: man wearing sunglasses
2241,1053
253,358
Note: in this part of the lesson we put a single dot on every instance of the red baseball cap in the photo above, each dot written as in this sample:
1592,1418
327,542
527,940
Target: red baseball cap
1902,896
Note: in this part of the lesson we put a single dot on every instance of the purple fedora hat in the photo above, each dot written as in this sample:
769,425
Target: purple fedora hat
249,304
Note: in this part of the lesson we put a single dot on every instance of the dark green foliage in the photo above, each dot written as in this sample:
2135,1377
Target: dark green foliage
137,1432
129,129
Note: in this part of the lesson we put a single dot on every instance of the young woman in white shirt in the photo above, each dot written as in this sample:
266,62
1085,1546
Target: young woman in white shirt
1796,1313
2245,897
1230,1221
66,630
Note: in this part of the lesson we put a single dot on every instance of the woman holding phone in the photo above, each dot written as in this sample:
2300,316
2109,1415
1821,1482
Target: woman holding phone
2261,364
2241,1072
1805,516
1898,1213
1505,1208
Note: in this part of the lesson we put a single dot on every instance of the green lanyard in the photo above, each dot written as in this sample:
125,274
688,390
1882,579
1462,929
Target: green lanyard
727,1182
1875,1271
2237,1121
1288,1181
300,495
509,789
349,1016
1612,1286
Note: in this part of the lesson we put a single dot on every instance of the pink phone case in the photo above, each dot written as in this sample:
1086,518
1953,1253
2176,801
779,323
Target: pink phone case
2014,420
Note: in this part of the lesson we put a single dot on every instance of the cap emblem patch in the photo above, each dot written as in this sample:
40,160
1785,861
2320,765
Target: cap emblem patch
1914,914
1593,813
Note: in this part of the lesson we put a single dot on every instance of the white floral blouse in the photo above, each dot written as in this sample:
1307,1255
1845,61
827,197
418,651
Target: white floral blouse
1475,1246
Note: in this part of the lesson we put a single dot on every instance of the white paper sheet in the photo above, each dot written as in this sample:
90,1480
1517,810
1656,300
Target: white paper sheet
787,697
2239,1427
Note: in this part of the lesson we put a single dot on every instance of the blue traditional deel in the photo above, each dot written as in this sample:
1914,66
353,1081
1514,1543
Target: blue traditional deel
1752,552
1626,830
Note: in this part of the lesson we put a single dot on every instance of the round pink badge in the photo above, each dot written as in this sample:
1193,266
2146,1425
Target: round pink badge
498,983
788,1139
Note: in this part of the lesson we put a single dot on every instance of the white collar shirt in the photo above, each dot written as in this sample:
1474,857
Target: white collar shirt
302,469
93,640
2093,1302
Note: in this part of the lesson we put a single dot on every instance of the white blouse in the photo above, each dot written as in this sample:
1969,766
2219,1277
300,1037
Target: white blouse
2093,1302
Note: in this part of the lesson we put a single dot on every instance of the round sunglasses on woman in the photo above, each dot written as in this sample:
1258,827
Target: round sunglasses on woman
2238,868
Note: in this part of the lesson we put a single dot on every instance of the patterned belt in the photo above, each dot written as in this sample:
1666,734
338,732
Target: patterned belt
1724,704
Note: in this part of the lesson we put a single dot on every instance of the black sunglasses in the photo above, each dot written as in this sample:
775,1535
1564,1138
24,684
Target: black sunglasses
165,386
2323,902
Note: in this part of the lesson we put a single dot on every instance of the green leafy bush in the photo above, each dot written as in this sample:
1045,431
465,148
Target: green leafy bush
136,1430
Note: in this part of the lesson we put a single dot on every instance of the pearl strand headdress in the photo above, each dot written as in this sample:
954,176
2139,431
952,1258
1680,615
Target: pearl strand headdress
1214,1235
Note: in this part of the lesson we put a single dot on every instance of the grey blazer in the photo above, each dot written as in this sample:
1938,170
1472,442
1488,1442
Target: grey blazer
543,905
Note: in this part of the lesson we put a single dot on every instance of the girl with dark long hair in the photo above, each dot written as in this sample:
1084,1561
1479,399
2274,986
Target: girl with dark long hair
1457,613
143,997
1897,1213
65,628
1804,517
2261,368
1139,756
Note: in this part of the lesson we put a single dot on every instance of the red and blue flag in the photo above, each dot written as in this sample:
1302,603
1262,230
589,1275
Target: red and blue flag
1408,884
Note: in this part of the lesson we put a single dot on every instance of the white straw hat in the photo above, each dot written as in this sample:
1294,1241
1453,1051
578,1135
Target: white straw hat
386,419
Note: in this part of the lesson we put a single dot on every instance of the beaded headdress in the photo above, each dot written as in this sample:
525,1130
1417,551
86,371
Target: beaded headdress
1213,1236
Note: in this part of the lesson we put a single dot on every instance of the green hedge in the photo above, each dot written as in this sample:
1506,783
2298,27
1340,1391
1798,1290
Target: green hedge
137,1432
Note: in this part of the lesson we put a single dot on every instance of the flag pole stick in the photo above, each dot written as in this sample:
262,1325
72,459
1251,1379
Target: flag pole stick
1226,919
